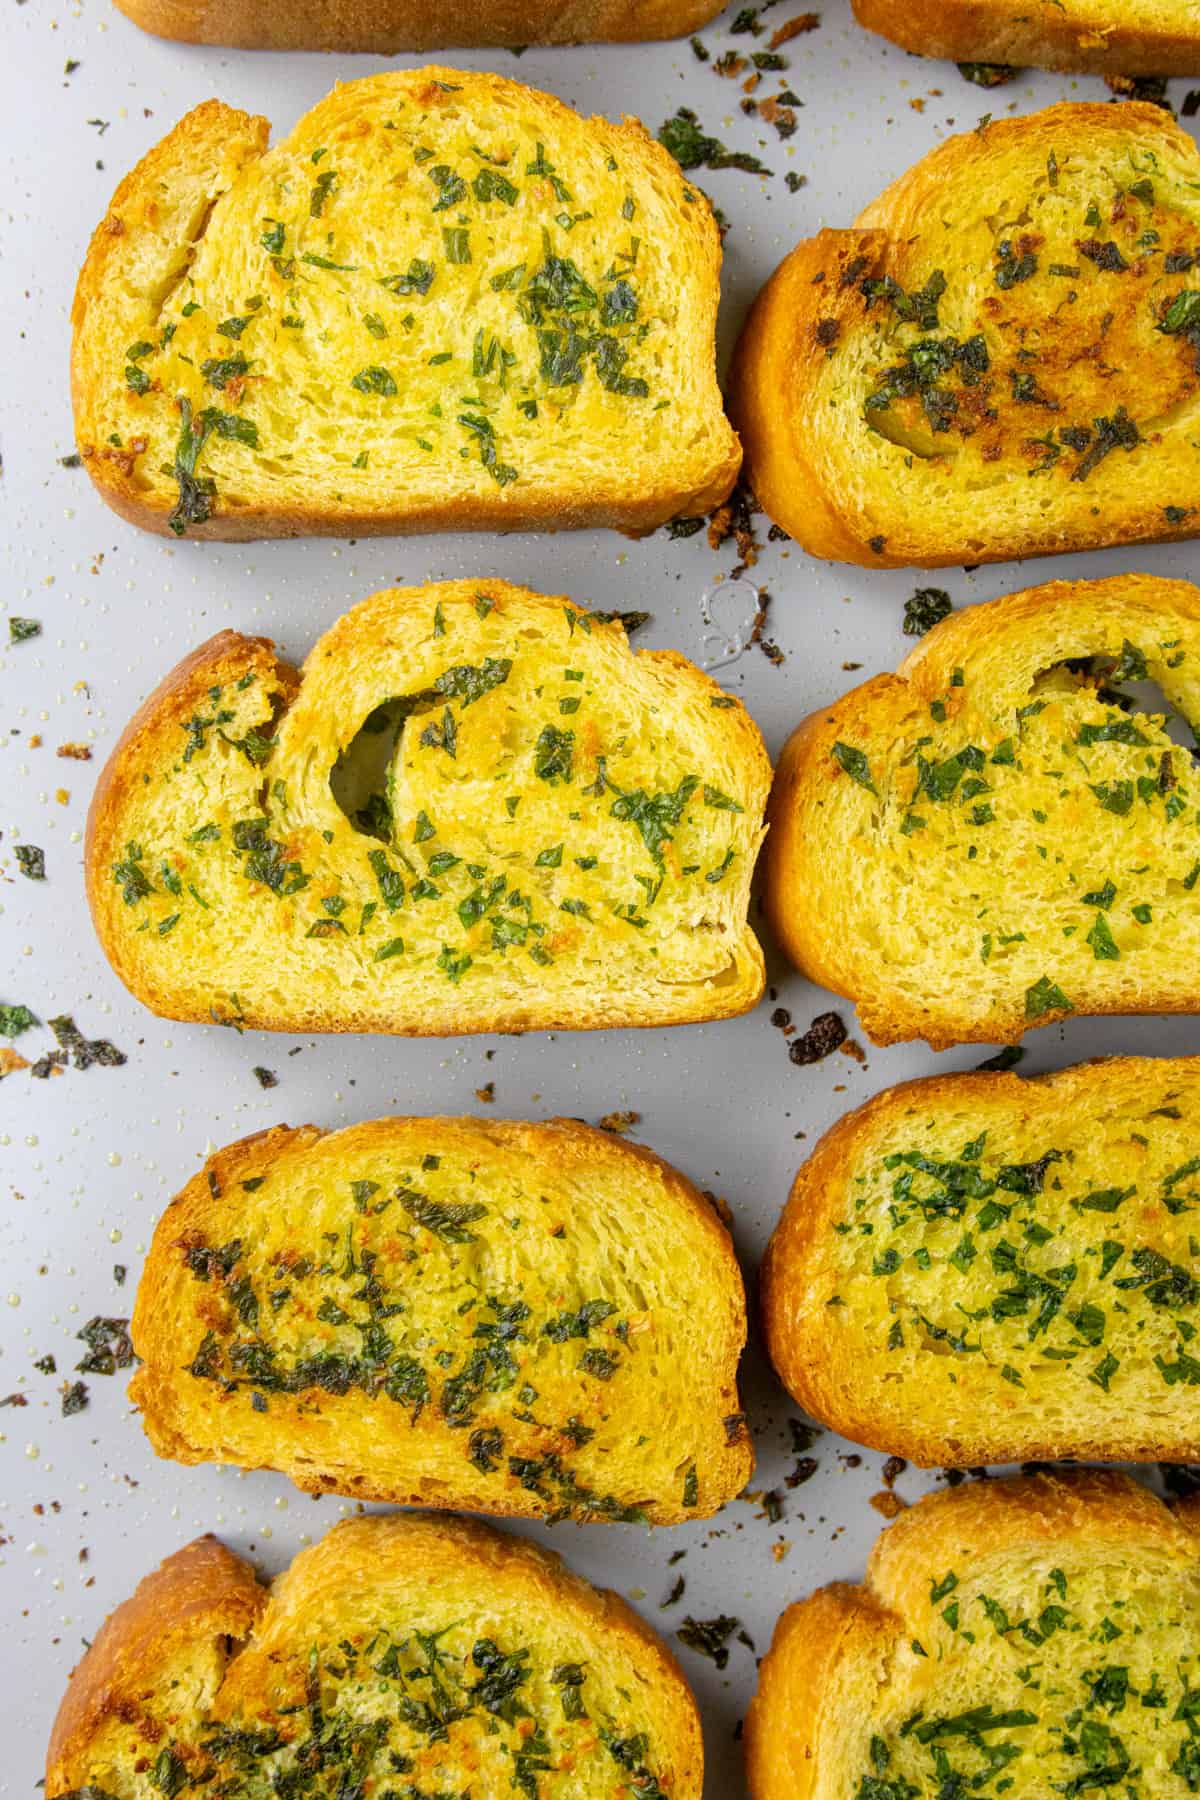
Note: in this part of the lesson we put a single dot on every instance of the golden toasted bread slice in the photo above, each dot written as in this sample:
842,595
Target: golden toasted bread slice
980,1269
444,302
997,835
387,26
426,1660
527,1319
476,810
1028,1637
1098,37
1001,359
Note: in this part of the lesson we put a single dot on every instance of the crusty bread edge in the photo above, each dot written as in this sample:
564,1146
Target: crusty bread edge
195,673
365,27
852,1630
723,1478
636,513
817,1200
202,1591
813,940
991,31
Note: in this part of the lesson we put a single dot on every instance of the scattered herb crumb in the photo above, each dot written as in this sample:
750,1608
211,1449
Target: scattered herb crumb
31,861
924,609
708,1637
620,1122
21,630
825,1035
14,1020
266,1078
109,1346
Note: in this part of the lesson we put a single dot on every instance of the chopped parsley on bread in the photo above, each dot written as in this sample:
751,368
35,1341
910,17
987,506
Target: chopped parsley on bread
475,810
384,27
983,1269
402,1656
538,1320
443,302
1098,37
1000,359
1003,832
1028,1637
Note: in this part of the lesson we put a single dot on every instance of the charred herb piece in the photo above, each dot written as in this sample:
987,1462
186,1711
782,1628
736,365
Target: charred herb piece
826,1033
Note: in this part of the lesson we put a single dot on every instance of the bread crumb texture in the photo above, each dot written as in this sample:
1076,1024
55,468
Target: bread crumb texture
981,1269
445,301
529,1319
1001,359
1034,1636
1008,830
476,810
397,1655
1140,37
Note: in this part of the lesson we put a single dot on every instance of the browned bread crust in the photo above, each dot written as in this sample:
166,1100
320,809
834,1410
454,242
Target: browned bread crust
665,1437
994,361
1047,1156
370,1583
1096,37
849,1665
389,26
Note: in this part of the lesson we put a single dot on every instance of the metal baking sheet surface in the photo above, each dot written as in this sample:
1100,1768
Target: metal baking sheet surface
87,1161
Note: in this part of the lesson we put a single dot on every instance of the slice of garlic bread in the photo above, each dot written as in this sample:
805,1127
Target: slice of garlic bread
1029,1637
1001,359
476,810
1098,37
444,302
980,1269
537,1320
425,1660
384,27
997,835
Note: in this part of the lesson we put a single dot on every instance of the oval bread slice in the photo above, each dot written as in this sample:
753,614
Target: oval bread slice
384,27
984,1269
539,1320
1004,831
999,360
397,1655
550,832
444,302
1041,1632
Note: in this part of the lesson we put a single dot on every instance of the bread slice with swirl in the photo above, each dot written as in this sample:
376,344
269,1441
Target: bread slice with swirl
1004,831
475,810
1000,359
540,1320
384,27
984,1269
1034,1636
444,302
397,1655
